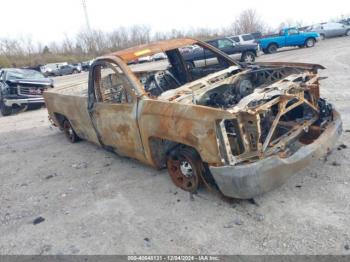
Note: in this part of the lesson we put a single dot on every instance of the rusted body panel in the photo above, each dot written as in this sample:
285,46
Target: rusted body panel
74,107
247,181
152,48
249,124
190,125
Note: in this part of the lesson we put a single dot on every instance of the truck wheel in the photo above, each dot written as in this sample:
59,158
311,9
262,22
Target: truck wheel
248,57
185,168
69,132
75,71
272,49
347,33
310,42
322,36
5,110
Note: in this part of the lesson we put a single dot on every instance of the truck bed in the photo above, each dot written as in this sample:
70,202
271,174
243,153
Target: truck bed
71,88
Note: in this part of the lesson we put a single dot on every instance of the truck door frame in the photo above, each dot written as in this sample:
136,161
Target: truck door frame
293,39
109,132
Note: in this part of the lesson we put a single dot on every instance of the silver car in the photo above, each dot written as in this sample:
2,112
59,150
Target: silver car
66,70
327,30
244,39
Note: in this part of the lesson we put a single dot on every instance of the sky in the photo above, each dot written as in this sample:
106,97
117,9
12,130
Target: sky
50,20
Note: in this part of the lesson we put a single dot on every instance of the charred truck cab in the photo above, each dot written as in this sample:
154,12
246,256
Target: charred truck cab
243,128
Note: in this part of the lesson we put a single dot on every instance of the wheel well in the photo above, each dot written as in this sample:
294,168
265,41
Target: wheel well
60,119
245,52
160,149
311,37
249,51
274,43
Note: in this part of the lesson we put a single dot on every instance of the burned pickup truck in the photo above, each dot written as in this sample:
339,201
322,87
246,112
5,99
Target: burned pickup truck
243,128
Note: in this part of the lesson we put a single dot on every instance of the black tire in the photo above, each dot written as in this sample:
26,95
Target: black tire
185,168
69,132
310,42
5,110
248,57
322,37
272,48
265,51
75,71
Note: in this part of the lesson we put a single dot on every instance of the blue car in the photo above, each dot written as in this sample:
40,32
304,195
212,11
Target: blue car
288,37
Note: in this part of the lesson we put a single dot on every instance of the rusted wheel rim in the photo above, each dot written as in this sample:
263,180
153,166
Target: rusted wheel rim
68,131
183,174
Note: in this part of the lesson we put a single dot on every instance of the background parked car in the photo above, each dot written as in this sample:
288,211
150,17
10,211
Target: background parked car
159,56
36,68
247,52
66,70
78,66
133,62
20,88
345,21
189,49
85,66
327,30
48,69
145,59
288,37
244,39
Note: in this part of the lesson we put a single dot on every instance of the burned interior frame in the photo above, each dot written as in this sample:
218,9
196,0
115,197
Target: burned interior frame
266,124
179,73
128,91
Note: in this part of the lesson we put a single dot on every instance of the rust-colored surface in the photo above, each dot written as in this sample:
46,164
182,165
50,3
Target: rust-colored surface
229,117
133,53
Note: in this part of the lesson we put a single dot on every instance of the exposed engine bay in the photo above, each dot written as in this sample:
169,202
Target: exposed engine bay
223,89
270,105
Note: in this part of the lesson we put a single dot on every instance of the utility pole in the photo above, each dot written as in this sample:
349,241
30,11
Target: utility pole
86,16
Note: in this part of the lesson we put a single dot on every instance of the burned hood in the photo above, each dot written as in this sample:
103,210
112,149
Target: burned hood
236,87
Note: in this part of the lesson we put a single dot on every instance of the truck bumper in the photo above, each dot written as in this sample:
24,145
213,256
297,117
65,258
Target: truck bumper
249,180
24,101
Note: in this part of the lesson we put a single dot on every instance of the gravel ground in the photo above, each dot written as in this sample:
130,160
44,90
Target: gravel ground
95,202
